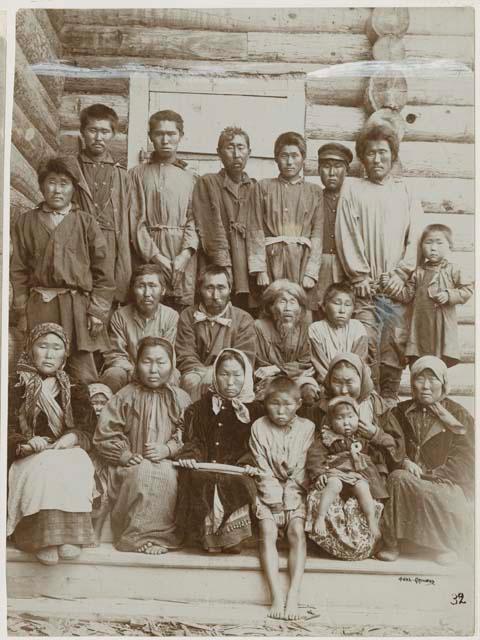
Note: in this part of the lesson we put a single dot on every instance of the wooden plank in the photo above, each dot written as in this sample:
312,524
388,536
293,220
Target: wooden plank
238,85
23,177
422,123
97,86
138,109
442,21
459,48
70,145
28,139
348,91
34,100
325,48
293,20
72,104
419,159
167,43
38,48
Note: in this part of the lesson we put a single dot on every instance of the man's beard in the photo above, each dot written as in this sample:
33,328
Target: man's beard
286,326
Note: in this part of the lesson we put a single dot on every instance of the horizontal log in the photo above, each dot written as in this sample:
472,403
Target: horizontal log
459,48
442,21
422,123
387,21
28,139
38,47
168,43
23,176
72,104
348,91
343,20
97,86
70,144
419,159
34,100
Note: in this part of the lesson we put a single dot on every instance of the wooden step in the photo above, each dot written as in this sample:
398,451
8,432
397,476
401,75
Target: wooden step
411,583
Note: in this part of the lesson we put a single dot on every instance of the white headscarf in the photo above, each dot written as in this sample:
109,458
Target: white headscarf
246,394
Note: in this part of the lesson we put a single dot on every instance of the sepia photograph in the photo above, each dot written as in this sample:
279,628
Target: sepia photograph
240,390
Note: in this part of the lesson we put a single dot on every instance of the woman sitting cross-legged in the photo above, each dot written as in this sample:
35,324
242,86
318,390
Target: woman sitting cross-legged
51,478
431,489
138,433
216,507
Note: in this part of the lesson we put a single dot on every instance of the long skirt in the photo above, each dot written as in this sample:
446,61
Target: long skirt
144,500
436,516
348,534
52,528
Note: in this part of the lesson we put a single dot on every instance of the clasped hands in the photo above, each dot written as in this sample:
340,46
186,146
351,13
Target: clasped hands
175,267
36,444
151,451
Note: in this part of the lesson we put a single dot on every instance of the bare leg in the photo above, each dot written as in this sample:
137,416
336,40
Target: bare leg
329,494
269,560
362,491
297,555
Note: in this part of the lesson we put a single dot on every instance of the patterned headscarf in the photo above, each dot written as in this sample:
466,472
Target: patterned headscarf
31,379
363,370
246,394
439,370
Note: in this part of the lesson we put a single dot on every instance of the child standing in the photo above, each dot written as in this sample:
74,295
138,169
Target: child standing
436,286
337,332
279,443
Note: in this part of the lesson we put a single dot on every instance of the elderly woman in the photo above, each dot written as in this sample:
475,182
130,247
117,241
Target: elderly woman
217,429
348,534
51,479
282,344
431,488
138,434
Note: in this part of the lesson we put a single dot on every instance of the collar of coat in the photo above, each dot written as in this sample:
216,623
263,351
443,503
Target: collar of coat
231,184
181,164
437,427
107,158
299,180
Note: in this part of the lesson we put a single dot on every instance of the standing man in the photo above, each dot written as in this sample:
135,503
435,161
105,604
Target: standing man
161,207
333,162
224,207
102,190
376,234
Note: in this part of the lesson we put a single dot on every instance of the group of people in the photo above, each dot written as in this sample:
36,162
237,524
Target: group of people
209,360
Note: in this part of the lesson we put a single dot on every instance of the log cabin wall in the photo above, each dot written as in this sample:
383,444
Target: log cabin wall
437,152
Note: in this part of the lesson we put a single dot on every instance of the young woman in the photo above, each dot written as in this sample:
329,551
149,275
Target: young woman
138,433
51,478
216,507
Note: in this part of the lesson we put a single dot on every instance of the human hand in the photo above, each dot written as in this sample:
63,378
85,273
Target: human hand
362,289
38,443
164,262
188,464
155,452
67,441
394,285
383,279
442,297
367,430
94,325
135,459
279,518
412,467
266,372
308,282
263,279
253,472
180,264
321,481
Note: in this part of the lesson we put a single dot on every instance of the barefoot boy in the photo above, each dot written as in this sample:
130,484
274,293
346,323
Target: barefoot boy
279,443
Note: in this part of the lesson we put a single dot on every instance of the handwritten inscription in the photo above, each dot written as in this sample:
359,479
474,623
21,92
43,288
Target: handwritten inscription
417,580
458,598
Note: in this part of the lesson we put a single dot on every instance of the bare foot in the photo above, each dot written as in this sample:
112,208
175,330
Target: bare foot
291,607
152,549
319,527
277,610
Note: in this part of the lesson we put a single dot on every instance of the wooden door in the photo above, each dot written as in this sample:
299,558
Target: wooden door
263,107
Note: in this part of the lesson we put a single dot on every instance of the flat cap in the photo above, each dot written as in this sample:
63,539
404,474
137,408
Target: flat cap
335,151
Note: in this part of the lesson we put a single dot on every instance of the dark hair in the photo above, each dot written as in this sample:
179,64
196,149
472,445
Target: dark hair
153,341
55,165
229,133
230,355
376,133
290,138
213,270
146,270
440,228
282,384
166,114
98,112
338,287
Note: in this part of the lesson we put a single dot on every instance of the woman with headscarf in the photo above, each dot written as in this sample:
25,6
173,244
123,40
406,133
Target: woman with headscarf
216,507
51,478
138,433
348,534
431,488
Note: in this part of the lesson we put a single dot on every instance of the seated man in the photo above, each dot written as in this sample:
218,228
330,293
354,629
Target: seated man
129,324
282,346
205,329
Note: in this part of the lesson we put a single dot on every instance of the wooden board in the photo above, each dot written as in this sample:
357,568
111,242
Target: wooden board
244,85
97,86
138,109
343,20
72,104
442,21
155,41
419,159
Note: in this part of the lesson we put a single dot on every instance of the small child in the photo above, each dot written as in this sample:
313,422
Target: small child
279,443
337,332
436,287
346,463
100,394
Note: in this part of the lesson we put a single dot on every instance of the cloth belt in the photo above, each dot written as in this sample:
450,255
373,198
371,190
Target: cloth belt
288,240
51,293
161,227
